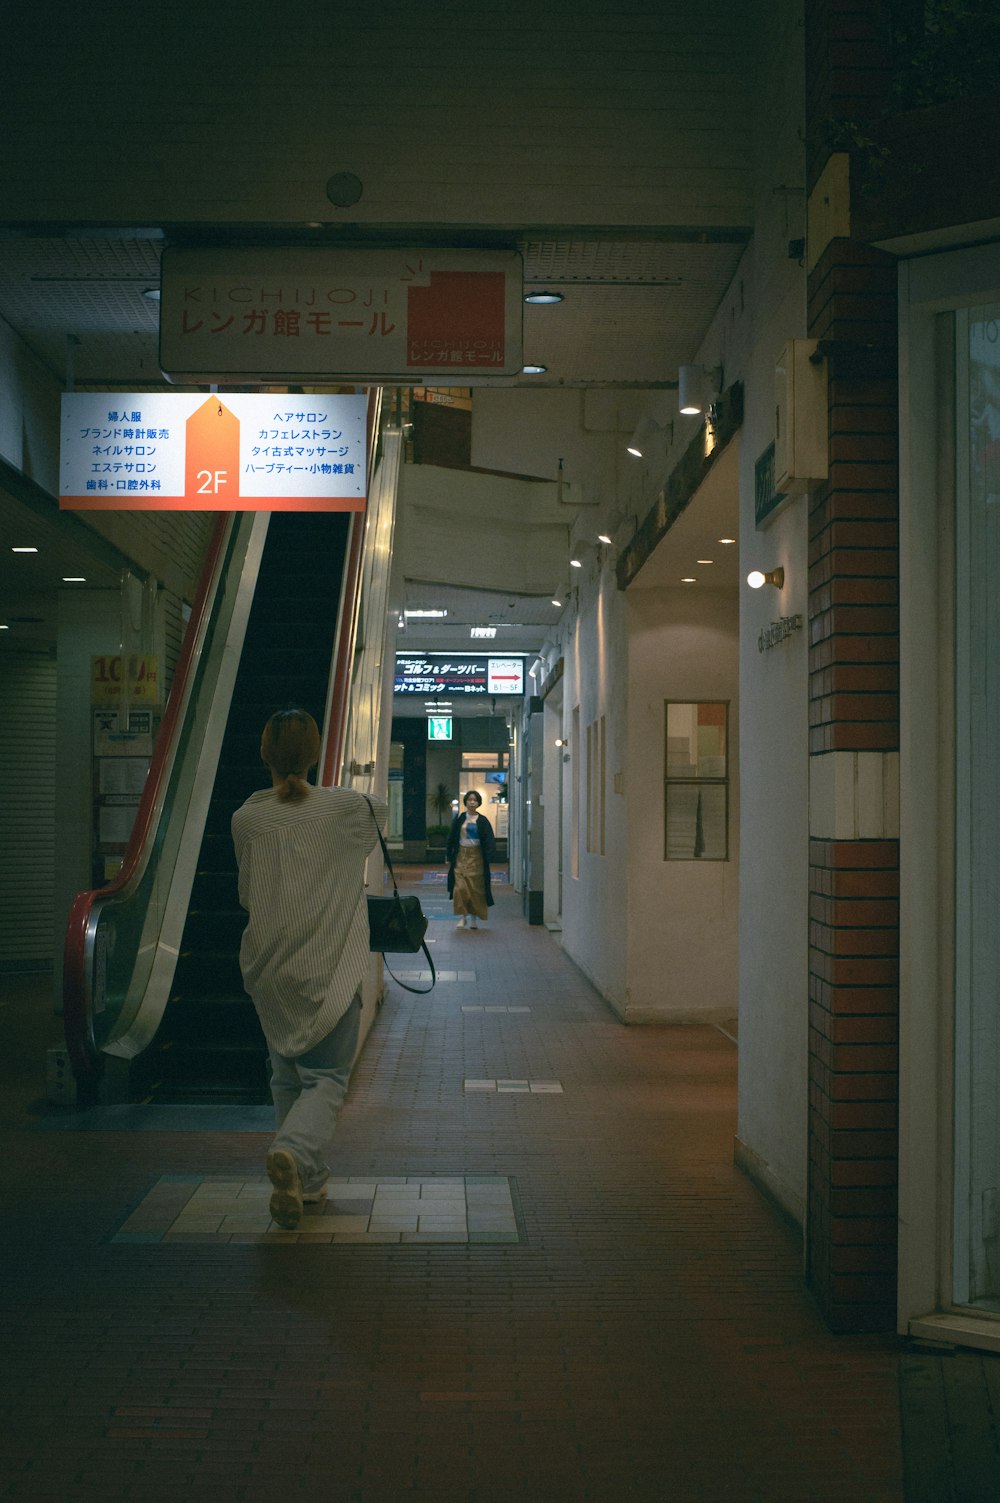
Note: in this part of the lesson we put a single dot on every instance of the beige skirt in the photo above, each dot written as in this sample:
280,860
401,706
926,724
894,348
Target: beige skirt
470,893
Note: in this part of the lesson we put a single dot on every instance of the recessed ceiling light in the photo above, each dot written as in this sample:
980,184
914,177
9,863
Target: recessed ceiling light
602,537
74,579
689,579
704,560
557,602
727,540
543,297
575,563
533,370
24,550
152,293
4,626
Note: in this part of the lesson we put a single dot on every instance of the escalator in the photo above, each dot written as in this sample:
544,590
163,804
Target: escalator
208,1048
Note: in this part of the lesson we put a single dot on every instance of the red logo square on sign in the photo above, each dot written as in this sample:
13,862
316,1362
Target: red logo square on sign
457,322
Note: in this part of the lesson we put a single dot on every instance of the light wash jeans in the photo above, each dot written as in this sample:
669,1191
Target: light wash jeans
308,1091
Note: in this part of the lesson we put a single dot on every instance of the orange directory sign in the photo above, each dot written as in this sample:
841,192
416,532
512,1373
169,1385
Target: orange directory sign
174,451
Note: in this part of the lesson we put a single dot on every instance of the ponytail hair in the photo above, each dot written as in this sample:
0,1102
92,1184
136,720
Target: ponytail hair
290,746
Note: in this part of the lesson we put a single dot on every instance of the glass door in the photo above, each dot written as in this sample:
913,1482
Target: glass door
976,1243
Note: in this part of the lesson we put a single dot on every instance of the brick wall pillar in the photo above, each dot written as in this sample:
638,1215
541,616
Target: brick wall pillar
854,721
854,857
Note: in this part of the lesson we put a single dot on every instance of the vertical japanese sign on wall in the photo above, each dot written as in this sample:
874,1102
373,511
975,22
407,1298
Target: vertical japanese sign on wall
279,313
174,451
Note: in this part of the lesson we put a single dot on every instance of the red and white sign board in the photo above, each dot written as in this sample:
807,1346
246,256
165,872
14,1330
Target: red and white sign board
281,314
505,676
174,451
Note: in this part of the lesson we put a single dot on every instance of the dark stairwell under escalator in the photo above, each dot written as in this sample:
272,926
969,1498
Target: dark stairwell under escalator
209,1047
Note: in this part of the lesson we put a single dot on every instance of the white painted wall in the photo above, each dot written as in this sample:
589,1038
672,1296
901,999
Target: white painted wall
774,696
594,901
682,915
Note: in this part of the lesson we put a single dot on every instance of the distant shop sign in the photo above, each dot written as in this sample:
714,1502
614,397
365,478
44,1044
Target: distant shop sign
284,314
174,451
438,673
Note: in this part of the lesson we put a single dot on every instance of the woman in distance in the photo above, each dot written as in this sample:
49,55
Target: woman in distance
471,847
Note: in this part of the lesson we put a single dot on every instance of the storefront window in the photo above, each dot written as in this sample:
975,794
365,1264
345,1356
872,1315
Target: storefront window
977,939
696,782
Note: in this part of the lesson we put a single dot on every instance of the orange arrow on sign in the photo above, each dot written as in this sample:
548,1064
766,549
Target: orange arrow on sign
212,458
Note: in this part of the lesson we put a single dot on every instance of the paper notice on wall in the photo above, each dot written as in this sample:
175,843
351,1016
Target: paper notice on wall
122,775
115,823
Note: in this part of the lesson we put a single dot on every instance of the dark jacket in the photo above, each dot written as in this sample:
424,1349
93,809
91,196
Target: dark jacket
487,844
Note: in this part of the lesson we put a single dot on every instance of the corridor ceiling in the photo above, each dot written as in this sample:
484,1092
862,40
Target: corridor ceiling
611,149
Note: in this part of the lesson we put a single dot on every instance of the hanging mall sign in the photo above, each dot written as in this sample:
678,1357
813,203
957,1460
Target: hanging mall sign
443,673
173,451
284,314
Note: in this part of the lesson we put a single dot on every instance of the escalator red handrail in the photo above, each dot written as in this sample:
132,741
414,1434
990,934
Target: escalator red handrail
84,1059
347,627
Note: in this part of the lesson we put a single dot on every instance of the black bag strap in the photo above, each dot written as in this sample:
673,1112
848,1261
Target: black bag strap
385,849
418,991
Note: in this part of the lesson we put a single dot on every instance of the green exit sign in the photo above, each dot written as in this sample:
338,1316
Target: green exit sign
439,728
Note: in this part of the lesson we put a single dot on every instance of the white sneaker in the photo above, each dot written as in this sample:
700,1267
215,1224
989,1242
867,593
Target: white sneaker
286,1198
461,924
473,921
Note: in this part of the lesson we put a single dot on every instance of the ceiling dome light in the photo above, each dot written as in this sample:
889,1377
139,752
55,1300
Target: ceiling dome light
543,297
533,370
575,563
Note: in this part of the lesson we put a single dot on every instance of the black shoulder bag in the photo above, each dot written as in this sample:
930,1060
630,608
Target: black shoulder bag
397,925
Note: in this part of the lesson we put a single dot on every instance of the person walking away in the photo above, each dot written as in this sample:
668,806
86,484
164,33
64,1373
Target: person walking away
471,847
301,852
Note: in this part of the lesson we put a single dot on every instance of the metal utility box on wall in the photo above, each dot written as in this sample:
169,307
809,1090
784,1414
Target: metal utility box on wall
800,417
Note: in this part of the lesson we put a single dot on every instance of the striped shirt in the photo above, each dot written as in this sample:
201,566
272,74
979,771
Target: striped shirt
301,879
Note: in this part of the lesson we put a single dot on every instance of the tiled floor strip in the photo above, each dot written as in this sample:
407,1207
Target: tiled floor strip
393,1209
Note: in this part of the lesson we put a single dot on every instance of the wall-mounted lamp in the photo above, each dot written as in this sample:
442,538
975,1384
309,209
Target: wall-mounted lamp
756,579
561,742
697,388
649,441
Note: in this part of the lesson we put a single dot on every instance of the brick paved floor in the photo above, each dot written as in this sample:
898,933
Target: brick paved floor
646,1338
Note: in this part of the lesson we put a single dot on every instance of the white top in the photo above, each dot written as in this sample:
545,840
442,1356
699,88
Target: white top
301,879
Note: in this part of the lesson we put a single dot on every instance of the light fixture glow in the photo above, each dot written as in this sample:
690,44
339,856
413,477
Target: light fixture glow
704,560
697,387
726,540
74,579
543,297
756,579
482,631
648,440
152,293
689,579
24,550
602,537
533,370
425,613
575,563
557,602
